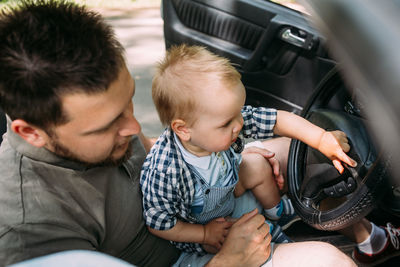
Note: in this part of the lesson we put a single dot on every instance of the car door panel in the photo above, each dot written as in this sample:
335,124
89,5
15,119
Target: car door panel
278,54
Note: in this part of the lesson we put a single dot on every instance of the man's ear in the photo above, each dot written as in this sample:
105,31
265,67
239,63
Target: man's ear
181,129
31,134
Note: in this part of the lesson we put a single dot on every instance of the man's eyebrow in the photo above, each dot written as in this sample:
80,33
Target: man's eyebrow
105,127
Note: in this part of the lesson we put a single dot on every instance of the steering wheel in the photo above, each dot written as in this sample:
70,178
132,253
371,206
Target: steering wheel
321,196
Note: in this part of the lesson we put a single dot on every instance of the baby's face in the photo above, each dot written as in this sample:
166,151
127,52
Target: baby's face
218,118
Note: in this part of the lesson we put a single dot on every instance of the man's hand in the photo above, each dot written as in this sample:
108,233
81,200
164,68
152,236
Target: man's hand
215,232
247,244
334,145
273,161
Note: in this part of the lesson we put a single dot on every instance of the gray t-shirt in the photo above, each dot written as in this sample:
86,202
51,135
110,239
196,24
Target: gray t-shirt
49,204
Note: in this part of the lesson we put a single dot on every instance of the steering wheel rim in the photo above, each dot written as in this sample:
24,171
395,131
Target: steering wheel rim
368,178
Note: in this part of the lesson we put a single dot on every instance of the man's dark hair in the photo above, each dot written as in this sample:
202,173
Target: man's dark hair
51,48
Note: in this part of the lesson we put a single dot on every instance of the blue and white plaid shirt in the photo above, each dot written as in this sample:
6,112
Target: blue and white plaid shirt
167,183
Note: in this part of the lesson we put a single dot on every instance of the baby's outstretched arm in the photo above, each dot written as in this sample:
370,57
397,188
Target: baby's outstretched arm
212,234
333,144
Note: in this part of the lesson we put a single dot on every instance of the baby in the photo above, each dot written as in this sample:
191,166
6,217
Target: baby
195,170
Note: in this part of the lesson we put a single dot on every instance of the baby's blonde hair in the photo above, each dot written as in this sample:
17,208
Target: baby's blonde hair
185,70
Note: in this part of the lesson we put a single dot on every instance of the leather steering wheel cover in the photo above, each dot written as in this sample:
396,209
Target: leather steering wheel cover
360,203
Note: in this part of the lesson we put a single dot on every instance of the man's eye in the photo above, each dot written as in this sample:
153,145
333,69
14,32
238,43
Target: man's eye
106,129
103,130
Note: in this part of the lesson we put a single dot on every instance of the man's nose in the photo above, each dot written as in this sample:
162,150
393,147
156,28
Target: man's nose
129,126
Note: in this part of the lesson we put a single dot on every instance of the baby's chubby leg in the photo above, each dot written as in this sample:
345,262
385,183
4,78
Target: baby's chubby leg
255,174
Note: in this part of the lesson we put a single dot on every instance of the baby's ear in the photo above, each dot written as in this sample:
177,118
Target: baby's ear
31,134
181,129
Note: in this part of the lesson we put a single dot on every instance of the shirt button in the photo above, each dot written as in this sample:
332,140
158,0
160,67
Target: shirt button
207,191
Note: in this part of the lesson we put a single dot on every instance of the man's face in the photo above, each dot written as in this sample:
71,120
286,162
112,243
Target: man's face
100,125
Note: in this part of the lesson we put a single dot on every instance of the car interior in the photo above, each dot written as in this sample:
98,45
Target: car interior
286,64
3,125
274,48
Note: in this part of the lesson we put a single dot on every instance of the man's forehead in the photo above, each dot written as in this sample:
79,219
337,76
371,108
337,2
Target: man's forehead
99,106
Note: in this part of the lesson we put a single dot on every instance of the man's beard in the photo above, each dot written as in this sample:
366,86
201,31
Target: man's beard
63,152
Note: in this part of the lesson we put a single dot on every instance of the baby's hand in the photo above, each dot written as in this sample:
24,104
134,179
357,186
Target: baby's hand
334,144
215,232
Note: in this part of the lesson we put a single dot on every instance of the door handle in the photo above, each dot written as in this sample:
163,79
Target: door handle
291,38
297,38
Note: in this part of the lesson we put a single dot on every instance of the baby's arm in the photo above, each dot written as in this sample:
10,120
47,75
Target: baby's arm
333,144
212,234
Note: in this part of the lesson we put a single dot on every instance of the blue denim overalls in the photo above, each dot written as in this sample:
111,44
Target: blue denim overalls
218,201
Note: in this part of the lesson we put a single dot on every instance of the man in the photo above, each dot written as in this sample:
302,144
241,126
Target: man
73,150
57,191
